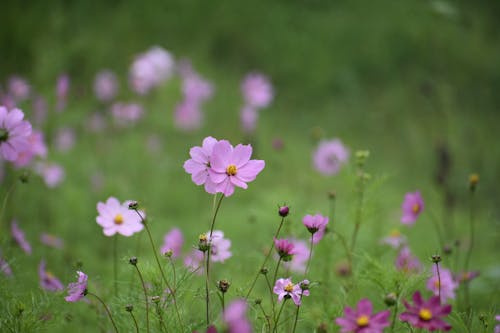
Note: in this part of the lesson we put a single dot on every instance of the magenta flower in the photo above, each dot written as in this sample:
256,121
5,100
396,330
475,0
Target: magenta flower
51,240
361,319
105,85
300,256
219,246
194,261
316,224
284,288
426,314
395,239
47,280
116,217
448,284
330,156
199,164
257,90
36,147
407,262
77,290
285,248
230,167
412,206
18,236
173,241
235,317
14,133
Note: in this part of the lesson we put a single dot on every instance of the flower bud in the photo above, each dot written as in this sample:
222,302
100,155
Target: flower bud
133,205
258,301
133,261
283,211
169,253
223,285
155,299
436,258
129,307
263,270
24,177
390,299
473,181
203,245
304,285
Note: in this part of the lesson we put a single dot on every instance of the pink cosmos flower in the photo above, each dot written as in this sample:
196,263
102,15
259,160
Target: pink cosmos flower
77,290
14,133
188,115
235,317
19,237
300,256
407,262
284,288
362,319
395,239
285,248
464,277
316,224
194,261
65,139
53,174
219,246
150,69
105,85
199,164
40,110
257,90
446,282
497,327
96,122
173,241
412,206
62,90
195,88
18,88
126,113
4,266
330,156
36,147
47,280
116,217
51,240
426,314
248,118
230,167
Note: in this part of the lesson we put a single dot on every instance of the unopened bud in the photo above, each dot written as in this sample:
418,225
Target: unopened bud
223,285
436,258
24,177
283,211
264,270
129,307
155,299
203,245
133,205
258,301
169,253
133,261
390,299
473,181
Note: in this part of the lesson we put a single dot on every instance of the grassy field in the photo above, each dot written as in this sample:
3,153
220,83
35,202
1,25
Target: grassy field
405,80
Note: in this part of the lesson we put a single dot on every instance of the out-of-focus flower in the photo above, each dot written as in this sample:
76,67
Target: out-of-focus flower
51,240
285,249
126,113
407,262
36,147
249,117
235,317
187,115
116,217
40,110
14,133
4,266
329,157
53,174
96,122
316,225
199,164
300,256
173,241
219,246
412,206
284,288
62,90
195,88
150,69
395,239
105,85
426,314
362,319
465,277
77,290
444,285
19,237
18,88
47,280
194,261
497,327
257,90
65,139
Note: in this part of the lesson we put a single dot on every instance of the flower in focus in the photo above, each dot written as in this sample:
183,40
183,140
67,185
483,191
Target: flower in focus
219,246
47,280
51,240
316,224
407,262
284,288
361,319
426,314
230,167
18,236
300,256
285,248
445,284
77,290
330,156
412,206
52,174
150,69
199,164
116,217
105,85
235,317
257,90
14,133
173,241
395,239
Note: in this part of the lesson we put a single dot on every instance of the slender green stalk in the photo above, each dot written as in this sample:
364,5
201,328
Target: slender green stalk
271,295
145,296
393,323
265,317
439,281
266,258
310,256
439,234
115,259
276,270
471,243
223,305
135,322
106,308
277,319
297,314
6,199
160,318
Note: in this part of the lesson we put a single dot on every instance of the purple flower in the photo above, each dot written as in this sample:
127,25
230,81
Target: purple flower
116,217
426,314
62,89
235,317
47,280
497,327
230,167
465,277
53,174
316,224
330,156
77,290
446,283
14,133
150,69
105,85
300,256
51,240
126,113
284,288
194,87
285,248
199,164
407,262
18,236
412,206
18,88
395,239
361,319
219,246
173,241
257,90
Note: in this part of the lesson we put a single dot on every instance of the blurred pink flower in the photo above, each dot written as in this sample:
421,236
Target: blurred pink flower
395,239
219,249
235,317
195,88
407,262
65,139
194,261
446,284
330,156
47,280
77,290
40,110
426,314
465,277
36,147
248,117
51,240
116,217
285,248
412,206
126,113
173,241
53,174
105,85
199,164
19,237
362,319
18,88
4,266
150,69
300,256
497,327
14,133
187,115
284,288
257,90
62,90
96,122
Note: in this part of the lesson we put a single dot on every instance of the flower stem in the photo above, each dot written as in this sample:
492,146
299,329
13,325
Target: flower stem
439,282
297,314
276,270
160,318
266,317
271,296
394,315
135,323
145,297
115,258
359,211
266,258
106,308
276,321
5,200
310,255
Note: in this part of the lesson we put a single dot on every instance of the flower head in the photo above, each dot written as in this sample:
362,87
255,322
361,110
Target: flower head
199,164
36,147
5,267
150,69
316,224
444,284
19,237
465,277
53,174
285,248
188,115
126,114
173,241
219,246
300,256
235,317
14,133
426,314
395,239
330,156
284,288
407,262
51,240
77,290
362,319
105,85
257,90
47,280
116,217
497,327
412,206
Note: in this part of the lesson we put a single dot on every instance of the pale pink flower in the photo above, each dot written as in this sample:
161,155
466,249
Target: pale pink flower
62,90
412,206
195,88
395,239
284,288
126,113
407,262
47,280
173,241
51,240
248,118
18,88
199,164
219,246
194,261
105,85
235,317
65,139
77,290
14,133
151,69
36,147
19,237
426,314
329,157
316,225
53,174
444,285
116,217
285,248
300,256
257,90
188,115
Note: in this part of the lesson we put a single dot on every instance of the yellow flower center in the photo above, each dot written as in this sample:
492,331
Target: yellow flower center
415,208
289,288
425,314
437,284
231,170
118,219
395,233
49,274
363,321
202,238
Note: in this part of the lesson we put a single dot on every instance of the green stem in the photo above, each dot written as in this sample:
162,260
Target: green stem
439,282
106,308
145,297
160,318
276,270
393,323
135,322
297,314
469,250
5,199
359,212
266,317
276,321
271,296
115,258
310,255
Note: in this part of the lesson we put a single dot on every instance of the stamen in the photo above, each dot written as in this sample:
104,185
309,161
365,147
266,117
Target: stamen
425,314
363,321
118,219
231,170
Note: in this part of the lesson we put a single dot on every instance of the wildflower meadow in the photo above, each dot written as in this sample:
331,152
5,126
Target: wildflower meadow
237,167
